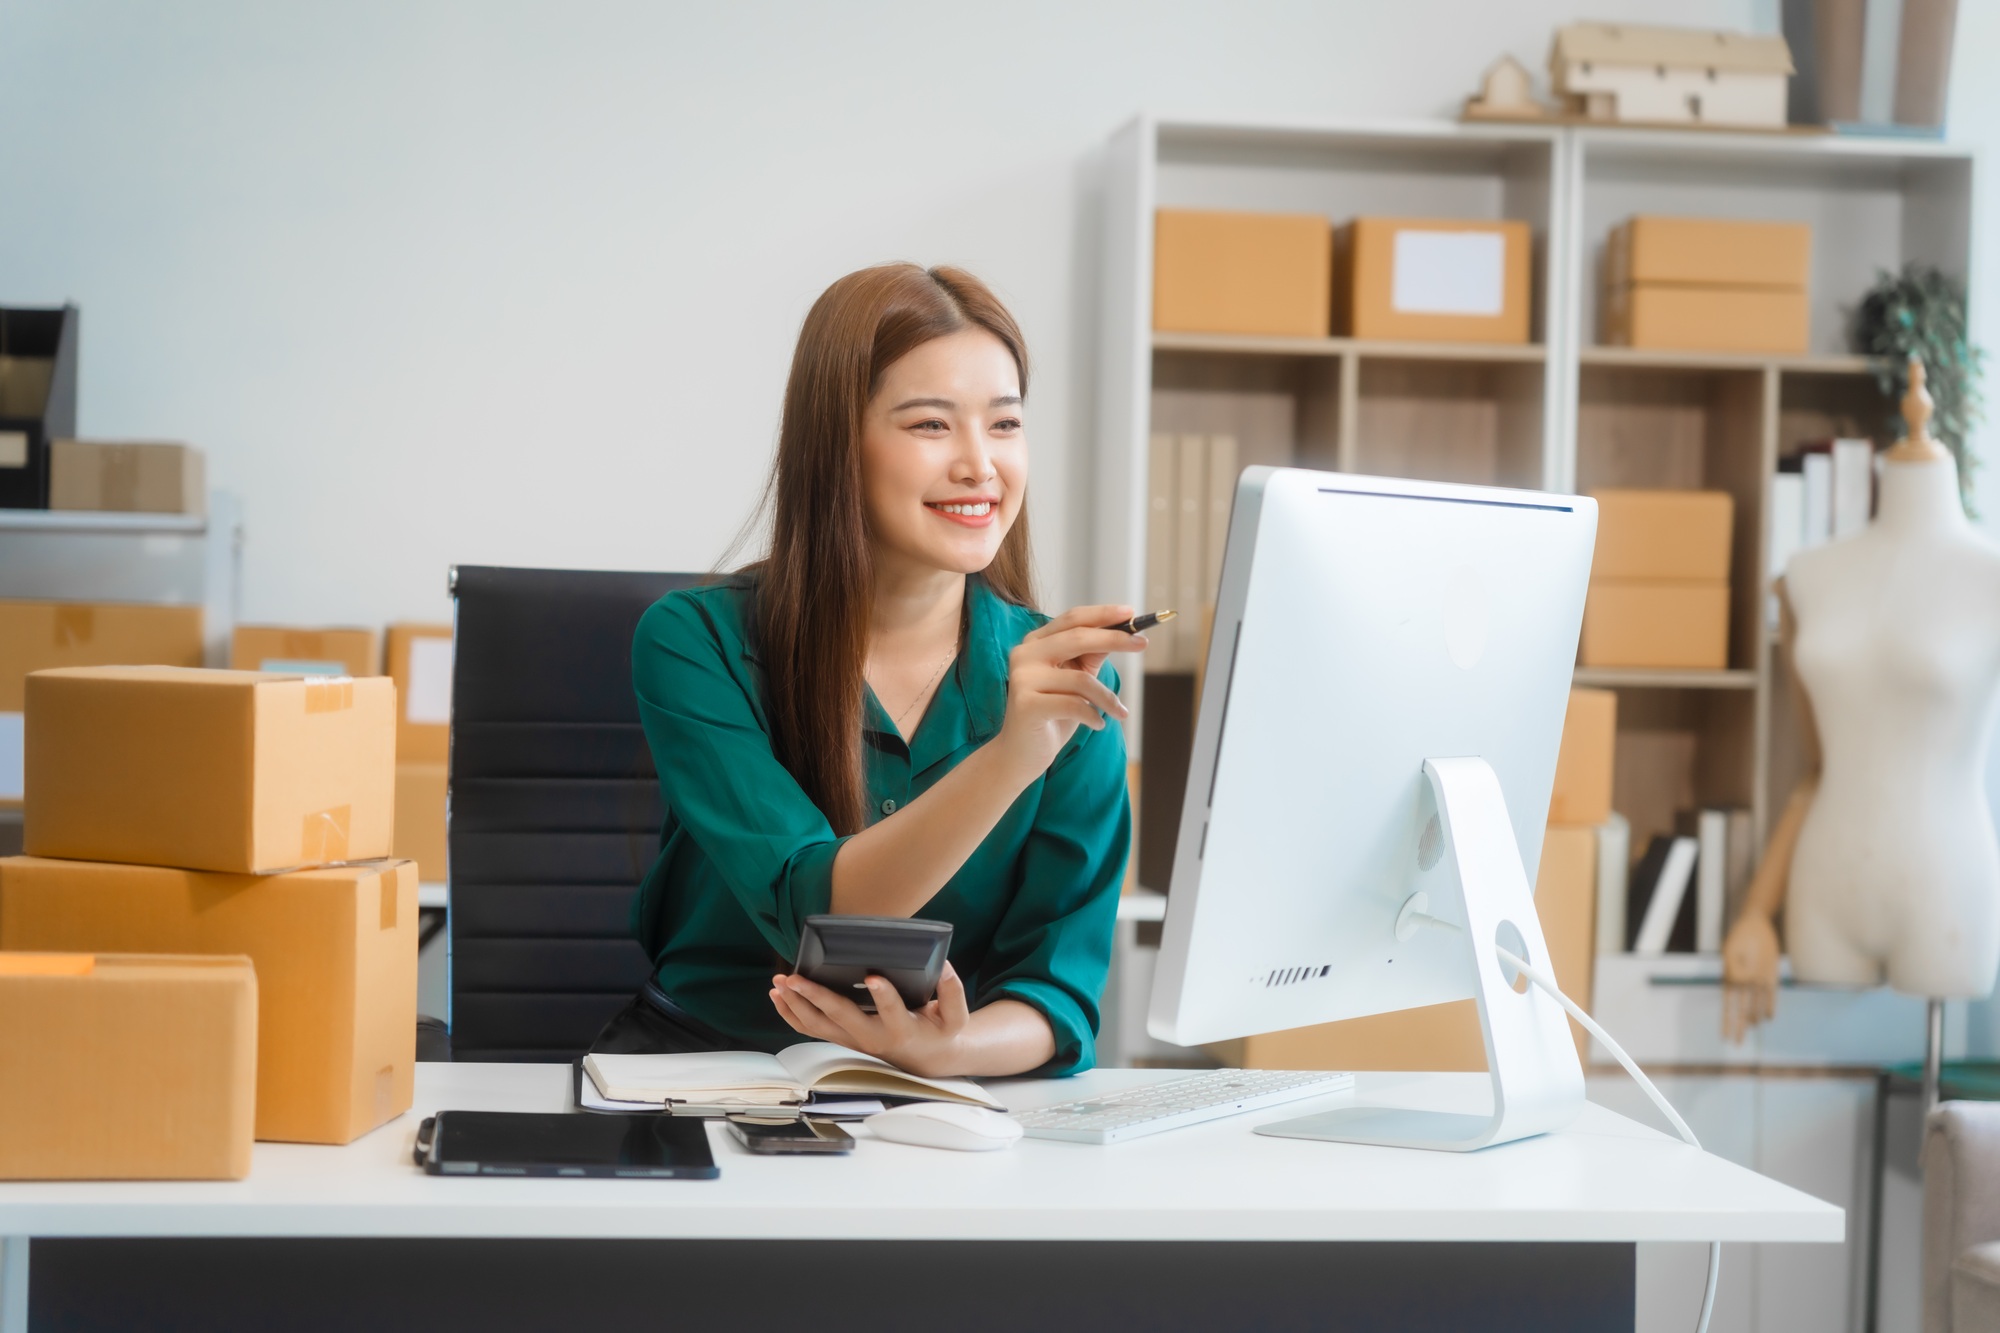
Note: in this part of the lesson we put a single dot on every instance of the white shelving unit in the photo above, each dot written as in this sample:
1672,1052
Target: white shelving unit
1561,413
165,559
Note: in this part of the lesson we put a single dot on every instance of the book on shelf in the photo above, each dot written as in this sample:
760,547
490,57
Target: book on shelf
1660,900
1741,858
1192,483
1162,522
1685,890
1816,509
1614,871
1853,486
1711,868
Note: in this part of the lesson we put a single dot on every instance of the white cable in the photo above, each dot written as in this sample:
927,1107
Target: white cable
1548,985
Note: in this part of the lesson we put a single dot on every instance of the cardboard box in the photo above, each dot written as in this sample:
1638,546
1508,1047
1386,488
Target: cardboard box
1584,764
209,770
1433,279
1566,903
306,652
1656,624
1268,273
1447,1036
35,636
1769,321
126,1067
420,818
336,958
127,478
420,662
1713,252
1679,536
38,635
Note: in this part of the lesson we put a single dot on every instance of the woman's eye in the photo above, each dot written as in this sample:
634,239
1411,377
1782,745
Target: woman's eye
1007,424
933,425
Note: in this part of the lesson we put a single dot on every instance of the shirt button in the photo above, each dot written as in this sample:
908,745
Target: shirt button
889,807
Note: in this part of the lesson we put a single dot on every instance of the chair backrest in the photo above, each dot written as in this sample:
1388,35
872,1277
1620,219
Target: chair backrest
554,811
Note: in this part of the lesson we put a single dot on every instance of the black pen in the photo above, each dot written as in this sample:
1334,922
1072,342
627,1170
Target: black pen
1140,624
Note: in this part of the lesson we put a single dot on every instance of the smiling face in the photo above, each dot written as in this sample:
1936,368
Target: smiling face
944,455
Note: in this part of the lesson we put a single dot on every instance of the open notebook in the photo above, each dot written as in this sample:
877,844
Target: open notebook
752,1078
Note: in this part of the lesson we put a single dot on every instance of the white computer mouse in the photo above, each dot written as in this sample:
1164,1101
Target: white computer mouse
945,1125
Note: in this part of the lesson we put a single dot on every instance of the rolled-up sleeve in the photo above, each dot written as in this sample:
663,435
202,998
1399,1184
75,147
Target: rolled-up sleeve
719,777
1053,945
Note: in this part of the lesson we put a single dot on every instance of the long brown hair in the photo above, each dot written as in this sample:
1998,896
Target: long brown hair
815,587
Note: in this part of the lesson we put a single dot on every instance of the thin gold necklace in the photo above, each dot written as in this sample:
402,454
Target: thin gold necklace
935,678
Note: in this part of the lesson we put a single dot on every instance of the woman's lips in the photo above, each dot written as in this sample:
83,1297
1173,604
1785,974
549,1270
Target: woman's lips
974,514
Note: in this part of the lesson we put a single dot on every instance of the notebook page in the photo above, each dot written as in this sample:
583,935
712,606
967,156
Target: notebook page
749,1076
825,1067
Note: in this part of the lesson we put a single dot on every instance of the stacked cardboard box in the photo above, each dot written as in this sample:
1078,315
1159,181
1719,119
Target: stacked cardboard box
1433,279
199,812
1447,1036
126,1067
420,661
306,652
1707,284
1659,583
1250,273
127,478
38,635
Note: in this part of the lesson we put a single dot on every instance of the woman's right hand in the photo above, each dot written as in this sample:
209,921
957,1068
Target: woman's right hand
1052,684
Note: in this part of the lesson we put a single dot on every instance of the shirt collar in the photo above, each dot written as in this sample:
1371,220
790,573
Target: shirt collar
971,701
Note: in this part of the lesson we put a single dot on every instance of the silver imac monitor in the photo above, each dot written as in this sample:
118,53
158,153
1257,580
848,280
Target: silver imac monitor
1377,737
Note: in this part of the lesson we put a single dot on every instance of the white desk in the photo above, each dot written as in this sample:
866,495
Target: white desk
1607,1179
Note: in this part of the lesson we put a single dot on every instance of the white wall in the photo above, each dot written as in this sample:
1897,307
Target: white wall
517,283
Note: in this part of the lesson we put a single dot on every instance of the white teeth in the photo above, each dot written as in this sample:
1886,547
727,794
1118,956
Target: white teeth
979,510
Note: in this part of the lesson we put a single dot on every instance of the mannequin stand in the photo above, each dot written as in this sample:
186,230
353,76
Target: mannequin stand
1933,1052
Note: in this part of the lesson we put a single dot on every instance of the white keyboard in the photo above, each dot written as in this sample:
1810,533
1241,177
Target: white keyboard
1135,1112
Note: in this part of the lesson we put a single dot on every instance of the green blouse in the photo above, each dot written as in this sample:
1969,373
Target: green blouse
746,856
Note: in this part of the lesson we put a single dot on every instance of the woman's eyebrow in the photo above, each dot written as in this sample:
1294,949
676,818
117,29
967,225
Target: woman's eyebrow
943,404
1010,400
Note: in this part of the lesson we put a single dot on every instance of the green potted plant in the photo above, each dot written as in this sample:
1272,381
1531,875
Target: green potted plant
1921,312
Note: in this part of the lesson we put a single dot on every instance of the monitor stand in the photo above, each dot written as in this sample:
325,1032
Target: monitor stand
1470,880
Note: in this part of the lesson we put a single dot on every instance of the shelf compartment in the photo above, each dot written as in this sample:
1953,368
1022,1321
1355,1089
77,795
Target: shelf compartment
1815,405
1681,749
1473,422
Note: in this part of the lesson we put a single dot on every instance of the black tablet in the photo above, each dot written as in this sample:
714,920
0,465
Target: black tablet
842,952
521,1143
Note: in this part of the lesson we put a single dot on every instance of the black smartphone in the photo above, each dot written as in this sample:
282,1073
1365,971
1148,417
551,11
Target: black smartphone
793,1136
842,952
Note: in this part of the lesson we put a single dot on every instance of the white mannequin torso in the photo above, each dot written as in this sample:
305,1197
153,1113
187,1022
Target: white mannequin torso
1897,872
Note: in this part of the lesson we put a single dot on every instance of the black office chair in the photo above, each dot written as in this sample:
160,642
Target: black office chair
554,811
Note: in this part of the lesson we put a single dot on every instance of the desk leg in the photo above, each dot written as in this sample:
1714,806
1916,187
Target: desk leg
13,1284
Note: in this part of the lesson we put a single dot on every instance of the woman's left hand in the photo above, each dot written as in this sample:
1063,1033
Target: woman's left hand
923,1042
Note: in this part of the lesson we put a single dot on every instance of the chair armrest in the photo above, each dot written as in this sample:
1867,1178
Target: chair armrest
1961,1165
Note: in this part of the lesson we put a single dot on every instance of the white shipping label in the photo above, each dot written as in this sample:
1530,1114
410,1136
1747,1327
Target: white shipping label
13,448
13,756
1449,273
429,702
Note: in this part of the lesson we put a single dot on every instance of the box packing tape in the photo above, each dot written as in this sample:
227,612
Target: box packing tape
75,624
324,838
47,964
329,694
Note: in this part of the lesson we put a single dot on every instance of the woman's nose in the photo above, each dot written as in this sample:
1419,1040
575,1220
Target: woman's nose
974,462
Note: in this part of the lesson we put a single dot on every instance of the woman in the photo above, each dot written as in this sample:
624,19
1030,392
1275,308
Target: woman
873,721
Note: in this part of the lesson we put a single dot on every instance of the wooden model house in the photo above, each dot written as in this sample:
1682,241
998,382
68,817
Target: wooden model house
1682,76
